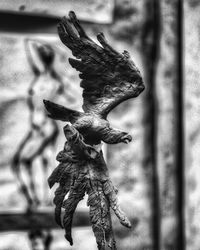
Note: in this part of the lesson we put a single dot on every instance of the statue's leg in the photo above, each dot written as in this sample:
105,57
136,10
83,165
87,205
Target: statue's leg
16,167
45,161
29,168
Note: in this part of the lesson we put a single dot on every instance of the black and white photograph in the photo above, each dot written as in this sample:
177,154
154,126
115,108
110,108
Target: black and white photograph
99,125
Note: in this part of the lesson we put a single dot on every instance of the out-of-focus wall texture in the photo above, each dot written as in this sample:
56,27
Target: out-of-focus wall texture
192,121
156,175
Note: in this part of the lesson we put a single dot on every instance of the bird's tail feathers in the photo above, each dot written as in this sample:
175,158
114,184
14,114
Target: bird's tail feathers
59,112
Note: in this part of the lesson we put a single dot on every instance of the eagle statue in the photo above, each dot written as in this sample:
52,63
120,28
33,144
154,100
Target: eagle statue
108,78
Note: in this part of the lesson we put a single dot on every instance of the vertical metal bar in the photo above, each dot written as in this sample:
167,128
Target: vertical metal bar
155,179
180,132
170,115
151,47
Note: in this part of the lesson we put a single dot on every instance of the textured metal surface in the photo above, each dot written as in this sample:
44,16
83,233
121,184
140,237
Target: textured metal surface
108,78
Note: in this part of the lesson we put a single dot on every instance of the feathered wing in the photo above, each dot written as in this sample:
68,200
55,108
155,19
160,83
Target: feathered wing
108,77
59,112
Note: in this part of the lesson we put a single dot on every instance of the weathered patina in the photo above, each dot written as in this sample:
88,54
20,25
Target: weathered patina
108,79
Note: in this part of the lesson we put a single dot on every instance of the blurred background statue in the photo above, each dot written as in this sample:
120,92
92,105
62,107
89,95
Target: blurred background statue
42,132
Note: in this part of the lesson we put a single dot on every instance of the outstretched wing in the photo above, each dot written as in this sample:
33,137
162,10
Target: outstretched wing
108,77
59,112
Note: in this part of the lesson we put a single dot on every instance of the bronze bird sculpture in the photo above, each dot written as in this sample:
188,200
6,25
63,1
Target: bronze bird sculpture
108,79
